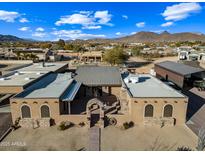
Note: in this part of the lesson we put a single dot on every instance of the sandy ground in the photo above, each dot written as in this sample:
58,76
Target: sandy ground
147,138
49,139
146,68
112,138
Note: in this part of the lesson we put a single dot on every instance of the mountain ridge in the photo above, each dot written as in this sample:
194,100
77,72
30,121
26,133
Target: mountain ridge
139,37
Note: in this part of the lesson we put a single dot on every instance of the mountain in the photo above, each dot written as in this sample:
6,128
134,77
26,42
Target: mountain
11,38
162,37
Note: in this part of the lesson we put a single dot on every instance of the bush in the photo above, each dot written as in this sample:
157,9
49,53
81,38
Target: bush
131,124
62,126
184,149
81,124
65,125
127,125
16,123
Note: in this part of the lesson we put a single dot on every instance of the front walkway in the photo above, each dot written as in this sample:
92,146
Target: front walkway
94,139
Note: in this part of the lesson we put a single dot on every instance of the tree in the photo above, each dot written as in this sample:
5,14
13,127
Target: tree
61,43
18,54
79,48
115,56
68,47
136,50
46,45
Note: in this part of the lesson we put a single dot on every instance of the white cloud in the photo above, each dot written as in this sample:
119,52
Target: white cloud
91,27
8,16
23,20
40,29
132,33
81,19
24,29
75,34
180,11
140,24
39,34
87,19
120,34
103,16
167,24
125,16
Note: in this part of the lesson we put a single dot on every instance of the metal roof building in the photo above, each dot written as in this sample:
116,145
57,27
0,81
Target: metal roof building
98,76
180,74
179,68
60,86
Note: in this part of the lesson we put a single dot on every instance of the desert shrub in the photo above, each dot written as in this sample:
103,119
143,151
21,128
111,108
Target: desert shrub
127,125
16,123
65,125
81,124
183,148
131,124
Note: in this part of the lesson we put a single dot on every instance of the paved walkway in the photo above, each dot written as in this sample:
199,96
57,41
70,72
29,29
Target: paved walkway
94,139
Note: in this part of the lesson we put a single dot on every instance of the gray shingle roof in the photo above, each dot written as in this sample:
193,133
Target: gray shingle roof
179,68
98,75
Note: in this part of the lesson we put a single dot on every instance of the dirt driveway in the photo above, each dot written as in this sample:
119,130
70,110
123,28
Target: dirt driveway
148,65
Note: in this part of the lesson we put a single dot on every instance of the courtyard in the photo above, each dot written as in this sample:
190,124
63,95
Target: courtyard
112,138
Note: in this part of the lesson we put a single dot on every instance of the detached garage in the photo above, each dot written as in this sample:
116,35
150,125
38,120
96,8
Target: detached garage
180,74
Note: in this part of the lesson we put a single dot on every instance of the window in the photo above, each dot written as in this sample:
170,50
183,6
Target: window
168,109
149,111
25,111
45,113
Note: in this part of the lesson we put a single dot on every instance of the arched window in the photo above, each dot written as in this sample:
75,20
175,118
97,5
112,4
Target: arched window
149,110
25,111
45,112
168,109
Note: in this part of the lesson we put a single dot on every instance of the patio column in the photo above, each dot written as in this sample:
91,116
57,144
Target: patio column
69,110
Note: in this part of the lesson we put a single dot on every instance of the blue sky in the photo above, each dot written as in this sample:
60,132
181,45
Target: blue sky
51,21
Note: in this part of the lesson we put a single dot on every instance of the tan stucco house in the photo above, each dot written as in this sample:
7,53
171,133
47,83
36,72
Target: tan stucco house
94,95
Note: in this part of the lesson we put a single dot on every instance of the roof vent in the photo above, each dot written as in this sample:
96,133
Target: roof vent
2,79
27,78
134,79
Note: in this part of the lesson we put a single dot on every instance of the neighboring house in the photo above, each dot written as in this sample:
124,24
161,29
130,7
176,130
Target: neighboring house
94,95
19,79
93,56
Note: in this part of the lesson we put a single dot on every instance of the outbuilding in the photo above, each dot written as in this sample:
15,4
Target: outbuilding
180,74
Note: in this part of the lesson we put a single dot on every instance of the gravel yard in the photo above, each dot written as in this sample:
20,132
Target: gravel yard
112,138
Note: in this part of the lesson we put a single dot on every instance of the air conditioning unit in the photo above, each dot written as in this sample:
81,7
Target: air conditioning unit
134,79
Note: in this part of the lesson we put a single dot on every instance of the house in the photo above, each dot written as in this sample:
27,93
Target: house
93,56
151,102
19,79
180,74
98,95
49,97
